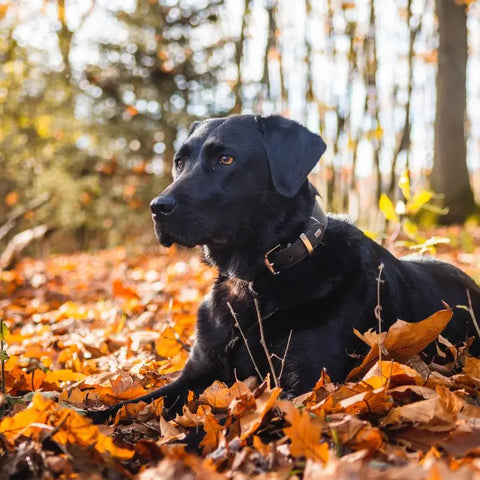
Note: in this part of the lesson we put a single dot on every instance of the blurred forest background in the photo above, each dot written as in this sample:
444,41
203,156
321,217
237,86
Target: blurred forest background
96,95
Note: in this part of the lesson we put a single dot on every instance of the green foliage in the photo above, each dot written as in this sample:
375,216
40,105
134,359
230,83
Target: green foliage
405,214
100,139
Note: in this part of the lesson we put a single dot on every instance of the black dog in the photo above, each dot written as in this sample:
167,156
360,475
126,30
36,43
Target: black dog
241,191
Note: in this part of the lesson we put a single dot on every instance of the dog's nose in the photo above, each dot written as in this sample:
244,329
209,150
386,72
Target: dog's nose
162,205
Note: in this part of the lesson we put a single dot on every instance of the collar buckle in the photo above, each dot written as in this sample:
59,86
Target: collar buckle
268,263
307,243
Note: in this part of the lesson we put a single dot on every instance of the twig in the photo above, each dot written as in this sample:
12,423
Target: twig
387,386
57,427
55,430
263,343
18,212
276,378
284,356
472,314
21,241
378,311
237,324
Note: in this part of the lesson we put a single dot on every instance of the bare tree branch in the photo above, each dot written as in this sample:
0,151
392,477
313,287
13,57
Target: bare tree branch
17,213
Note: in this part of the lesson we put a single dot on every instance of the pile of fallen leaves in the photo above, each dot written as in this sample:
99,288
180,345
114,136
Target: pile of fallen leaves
91,330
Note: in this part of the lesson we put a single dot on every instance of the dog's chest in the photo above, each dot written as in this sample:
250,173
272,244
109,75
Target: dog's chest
232,327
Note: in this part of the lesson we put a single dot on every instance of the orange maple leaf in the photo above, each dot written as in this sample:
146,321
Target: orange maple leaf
213,434
304,434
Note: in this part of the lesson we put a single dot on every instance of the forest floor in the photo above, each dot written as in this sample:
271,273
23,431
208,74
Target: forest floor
86,330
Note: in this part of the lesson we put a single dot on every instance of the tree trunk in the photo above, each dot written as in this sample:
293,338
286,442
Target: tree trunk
450,173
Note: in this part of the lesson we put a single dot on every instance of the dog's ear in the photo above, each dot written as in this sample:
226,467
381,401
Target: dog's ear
193,127
292,152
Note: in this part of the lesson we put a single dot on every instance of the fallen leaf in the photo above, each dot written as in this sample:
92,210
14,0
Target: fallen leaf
121,290
169,432
367,362
437,414
406,339
373,401
43,417
472,369
251,420
213,432
219,396
392,374
304,434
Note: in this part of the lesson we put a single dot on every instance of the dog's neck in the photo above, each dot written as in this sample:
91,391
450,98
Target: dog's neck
285,220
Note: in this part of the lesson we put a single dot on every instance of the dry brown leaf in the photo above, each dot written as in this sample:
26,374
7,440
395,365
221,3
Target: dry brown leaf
43,416
437,414
322,389
355,433
373,401
409,391
472,369
169,432
252,418
213,434
181,466
140,411
392,374
168,344
219,396
367,362
190,419
370,337
405,339
304,434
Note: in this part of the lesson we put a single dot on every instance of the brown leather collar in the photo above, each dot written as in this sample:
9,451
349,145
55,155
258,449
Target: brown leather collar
278,258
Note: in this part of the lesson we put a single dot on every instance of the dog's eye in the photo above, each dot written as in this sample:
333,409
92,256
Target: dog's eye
179,164
226,160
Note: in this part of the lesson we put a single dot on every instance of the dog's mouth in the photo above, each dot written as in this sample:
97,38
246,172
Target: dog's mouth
168,238
220,241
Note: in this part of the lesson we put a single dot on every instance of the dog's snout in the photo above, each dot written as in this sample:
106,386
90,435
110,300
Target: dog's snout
162,205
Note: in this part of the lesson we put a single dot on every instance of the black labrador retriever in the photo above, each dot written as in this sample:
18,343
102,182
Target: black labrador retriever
241,192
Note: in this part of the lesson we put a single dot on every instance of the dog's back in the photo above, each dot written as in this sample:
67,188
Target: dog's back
436,282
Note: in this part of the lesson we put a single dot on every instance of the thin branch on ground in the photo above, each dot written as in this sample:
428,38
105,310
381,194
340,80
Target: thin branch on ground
237,324
282,360
378,311
264,344
472,314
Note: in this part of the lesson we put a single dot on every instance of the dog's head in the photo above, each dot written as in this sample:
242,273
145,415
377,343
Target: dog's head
227,176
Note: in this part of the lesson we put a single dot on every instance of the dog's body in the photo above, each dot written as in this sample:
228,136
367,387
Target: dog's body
240,189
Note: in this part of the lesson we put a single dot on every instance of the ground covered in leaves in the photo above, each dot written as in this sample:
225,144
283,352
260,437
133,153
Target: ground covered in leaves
91,330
